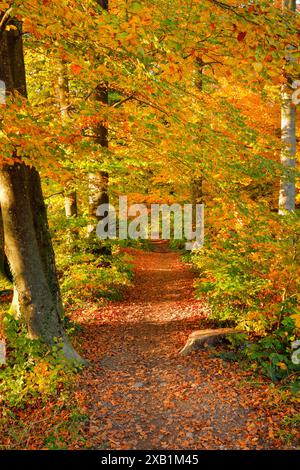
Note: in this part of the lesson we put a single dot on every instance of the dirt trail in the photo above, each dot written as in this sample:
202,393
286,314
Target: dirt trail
142,395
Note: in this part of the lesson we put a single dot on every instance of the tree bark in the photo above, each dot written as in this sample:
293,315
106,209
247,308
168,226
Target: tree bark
287,190
197,182
2,253
99,181
62,96
71,204
27,239
4,265
290,4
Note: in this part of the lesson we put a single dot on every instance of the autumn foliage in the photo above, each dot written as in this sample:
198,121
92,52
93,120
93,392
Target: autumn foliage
188,95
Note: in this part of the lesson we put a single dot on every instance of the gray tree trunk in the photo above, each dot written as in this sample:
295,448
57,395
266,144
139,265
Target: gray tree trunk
27,239
287,190
62,95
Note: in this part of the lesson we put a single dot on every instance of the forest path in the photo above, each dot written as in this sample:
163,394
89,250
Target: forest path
140,394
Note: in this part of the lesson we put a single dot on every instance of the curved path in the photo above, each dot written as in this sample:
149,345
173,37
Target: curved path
141,395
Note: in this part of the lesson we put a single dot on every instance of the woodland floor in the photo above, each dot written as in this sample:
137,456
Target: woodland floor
140,394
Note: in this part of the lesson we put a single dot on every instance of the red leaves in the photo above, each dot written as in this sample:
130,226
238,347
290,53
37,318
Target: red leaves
241,36
76,69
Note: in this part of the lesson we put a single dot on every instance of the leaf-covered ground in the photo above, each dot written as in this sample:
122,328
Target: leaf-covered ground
140,394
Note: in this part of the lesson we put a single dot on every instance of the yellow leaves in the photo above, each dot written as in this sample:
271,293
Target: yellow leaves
5,5
246,180
296,318
258,66
282,365
11,27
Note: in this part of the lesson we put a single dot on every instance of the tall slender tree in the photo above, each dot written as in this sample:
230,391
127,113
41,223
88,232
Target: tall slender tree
287,189
98,181
197,181
27,240
62,95
2,252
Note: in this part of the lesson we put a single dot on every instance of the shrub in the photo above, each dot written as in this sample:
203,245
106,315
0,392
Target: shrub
32,372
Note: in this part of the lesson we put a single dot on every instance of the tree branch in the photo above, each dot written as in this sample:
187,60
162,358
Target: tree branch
5,17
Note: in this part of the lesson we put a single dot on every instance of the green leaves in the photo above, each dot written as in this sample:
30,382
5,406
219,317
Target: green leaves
135,7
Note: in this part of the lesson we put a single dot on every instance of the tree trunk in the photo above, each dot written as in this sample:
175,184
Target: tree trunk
4,265
71,204
287,191
197,181
99,181
62,95
2,254
197,190
98,191
62,89
26,233
290,4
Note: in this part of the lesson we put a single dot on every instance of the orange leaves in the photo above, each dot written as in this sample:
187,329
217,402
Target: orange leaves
137,392
29,27
76,69
91,121
140,393
296,318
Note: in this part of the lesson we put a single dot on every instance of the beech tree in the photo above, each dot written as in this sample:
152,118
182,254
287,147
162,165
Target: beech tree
98,181
197,182
28,244
287,190
62,95
2,254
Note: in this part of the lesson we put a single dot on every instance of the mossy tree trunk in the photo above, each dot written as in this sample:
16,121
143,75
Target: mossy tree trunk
26,233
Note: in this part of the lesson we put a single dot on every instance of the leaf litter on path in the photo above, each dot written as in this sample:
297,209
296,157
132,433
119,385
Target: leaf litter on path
141,395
